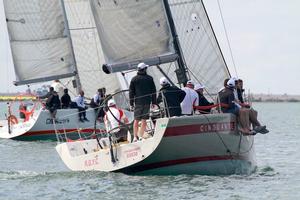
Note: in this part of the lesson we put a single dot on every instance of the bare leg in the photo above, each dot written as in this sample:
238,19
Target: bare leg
135,128
143,127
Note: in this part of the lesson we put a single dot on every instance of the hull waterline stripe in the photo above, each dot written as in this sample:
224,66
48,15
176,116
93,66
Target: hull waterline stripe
150,166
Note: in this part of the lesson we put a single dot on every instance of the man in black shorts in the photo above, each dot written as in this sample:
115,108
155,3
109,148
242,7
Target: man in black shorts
142,93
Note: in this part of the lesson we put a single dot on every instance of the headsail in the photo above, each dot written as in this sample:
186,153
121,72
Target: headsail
200,48
87,49
133,31
40,47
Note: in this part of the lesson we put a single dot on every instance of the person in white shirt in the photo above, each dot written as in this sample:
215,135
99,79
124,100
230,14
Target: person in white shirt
79,100
58,87
190,100
95,101
114,120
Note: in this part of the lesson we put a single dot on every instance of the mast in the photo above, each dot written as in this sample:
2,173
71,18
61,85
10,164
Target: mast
215,37
181,72
77,79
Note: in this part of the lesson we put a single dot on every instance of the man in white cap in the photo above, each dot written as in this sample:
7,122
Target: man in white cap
202,100
227,97
172,96
142,93
190,100
115,120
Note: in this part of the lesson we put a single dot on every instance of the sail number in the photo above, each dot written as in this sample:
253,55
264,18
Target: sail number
91,162
132,152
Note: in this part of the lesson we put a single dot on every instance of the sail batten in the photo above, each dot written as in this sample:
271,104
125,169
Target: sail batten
40,47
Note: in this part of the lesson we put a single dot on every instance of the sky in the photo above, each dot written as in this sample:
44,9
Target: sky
264,36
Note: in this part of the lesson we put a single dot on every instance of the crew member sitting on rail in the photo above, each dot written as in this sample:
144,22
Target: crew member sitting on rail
256,125
227,97
202,100
115,121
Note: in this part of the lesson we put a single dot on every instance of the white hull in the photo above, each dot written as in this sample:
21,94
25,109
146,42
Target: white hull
203,144
41,127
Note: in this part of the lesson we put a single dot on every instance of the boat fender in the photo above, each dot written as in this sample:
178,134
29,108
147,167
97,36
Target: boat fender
12,119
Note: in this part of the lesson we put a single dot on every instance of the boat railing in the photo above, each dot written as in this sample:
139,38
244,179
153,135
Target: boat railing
22,108
98,129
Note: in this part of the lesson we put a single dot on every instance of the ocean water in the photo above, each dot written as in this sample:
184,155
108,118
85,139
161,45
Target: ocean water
33,170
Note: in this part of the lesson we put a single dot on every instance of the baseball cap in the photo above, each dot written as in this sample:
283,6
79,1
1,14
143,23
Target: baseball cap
163,81
142,66
231,82
190,82
111,102
199,86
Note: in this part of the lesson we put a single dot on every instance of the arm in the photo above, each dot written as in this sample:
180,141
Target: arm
153,89
49,100
231,100
78,102
159,98
181,95
131,92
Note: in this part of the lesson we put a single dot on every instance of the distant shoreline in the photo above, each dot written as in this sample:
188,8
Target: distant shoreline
274,98
16,97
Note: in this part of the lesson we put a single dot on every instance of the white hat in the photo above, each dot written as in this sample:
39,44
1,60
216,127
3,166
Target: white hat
163,81
199,86
142,66
111,102
190,82
231,82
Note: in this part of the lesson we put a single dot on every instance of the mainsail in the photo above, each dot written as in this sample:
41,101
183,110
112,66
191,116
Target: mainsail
129,31
133,31
200,48
39,43
87,49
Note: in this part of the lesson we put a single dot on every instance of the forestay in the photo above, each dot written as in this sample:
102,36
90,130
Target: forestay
87,49
199,44
38,37
133,31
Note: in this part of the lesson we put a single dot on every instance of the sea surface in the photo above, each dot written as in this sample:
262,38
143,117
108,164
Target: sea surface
33,170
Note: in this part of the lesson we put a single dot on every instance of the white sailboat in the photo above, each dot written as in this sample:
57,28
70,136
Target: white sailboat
157,32
45,39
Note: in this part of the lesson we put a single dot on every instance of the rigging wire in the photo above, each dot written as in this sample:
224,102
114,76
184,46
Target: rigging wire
227,38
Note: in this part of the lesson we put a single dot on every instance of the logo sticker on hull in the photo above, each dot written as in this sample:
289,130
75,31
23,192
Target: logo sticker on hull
58,121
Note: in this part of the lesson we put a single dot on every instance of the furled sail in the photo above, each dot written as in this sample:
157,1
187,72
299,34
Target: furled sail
200,48
133,31
87,49
38,37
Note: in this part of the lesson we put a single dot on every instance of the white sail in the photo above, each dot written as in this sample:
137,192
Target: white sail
133,31
87,49
199,45
40,47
